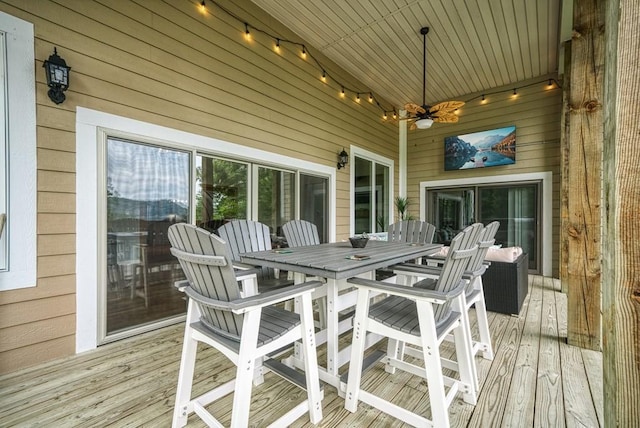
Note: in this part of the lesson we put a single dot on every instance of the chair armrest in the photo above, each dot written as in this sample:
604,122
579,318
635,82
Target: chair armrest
409,292
243,305
421,270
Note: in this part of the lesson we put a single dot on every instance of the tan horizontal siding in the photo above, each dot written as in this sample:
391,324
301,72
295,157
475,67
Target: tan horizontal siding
30,355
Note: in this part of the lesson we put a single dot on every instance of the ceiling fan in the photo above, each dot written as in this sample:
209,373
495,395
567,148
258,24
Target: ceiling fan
423,116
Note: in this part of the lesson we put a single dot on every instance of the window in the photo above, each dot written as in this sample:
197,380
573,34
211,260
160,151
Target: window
17,154
516,207
371,195
147,191
521,203
178,177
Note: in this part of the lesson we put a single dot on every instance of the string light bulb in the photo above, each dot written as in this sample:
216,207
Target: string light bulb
358,98
384,115
550,85
515,93
247,34
277,47
203,7
342,92
304,52
395,116
324,76
370,97
483,100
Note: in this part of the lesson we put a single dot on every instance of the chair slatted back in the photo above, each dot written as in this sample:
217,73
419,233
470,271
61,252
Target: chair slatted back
487,239
463,248
206,262
411,231
300,233
245,236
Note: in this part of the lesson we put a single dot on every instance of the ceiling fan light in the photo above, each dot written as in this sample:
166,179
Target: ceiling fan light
424,123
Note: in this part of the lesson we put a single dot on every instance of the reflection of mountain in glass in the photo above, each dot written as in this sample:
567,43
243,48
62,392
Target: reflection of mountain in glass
482,149
122,208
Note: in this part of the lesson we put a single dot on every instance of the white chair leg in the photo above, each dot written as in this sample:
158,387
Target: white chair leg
245,370
185,376
357,350
310,361
433,366
464,355
483,326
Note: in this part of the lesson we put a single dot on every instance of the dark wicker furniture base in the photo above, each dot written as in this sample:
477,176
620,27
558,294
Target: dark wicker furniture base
506,285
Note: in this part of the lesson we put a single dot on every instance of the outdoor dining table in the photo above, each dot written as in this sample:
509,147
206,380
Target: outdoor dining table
337,262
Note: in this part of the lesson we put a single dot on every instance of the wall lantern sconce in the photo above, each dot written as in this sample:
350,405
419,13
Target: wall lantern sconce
57,77
343,159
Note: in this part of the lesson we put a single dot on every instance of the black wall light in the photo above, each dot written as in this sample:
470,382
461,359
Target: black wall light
343,159
57,77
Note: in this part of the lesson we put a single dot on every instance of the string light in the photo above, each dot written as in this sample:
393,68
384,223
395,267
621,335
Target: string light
550,85
384,115
304,53
203,7
515,93
484,100
395,116
358,98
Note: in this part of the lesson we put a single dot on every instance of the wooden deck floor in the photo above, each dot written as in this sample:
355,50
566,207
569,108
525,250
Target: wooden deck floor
535,380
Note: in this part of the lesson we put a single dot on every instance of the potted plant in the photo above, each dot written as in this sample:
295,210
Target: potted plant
402,205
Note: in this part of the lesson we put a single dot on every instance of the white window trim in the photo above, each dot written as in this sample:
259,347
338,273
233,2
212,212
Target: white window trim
366,154
547,203
91,127
21,137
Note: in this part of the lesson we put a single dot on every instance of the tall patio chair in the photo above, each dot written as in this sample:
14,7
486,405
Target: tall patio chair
423,317
245,236
245,330
474,293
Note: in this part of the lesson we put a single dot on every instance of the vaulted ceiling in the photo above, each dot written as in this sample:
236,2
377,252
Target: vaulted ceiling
472,45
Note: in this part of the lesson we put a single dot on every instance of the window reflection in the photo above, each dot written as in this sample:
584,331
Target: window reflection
221,191
147,191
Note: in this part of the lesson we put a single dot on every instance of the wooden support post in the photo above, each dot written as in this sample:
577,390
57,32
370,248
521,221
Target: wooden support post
585,175
621,228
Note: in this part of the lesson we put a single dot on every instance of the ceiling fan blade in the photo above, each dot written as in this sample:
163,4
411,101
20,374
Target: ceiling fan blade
446,106
414,108
446,118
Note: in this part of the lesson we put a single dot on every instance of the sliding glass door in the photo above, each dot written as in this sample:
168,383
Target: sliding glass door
147,190
516,207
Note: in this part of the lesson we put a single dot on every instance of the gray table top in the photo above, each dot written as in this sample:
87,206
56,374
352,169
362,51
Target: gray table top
335,260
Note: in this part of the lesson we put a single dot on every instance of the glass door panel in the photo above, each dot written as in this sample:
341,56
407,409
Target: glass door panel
276,200
221,191
382,198
362,198
450,210
314,203
147,191
516,208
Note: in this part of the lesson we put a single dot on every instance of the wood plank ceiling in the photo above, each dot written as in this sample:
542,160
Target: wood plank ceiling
473,45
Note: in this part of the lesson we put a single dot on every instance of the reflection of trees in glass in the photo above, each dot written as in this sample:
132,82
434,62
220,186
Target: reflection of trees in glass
222,190
276,197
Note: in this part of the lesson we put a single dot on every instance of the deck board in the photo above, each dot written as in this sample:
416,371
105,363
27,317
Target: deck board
535,379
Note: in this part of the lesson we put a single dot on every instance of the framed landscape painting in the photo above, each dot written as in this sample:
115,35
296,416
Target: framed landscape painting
495,147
